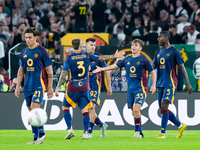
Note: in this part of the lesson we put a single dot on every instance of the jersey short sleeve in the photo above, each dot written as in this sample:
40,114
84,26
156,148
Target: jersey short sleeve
103,64
121,63
46,58
178,57
148,65
93,57
21,62
66,64
155,58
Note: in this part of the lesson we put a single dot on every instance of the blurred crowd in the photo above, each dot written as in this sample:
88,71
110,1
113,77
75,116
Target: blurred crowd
124,20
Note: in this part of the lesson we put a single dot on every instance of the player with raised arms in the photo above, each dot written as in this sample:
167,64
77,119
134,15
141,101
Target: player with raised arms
136,67
36,69
76,67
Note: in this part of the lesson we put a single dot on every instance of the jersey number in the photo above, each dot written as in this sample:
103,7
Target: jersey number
35,94
82,10
139,96
168,91
80,66
93,93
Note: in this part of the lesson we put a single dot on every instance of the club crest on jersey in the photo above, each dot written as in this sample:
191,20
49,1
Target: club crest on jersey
168,54
25,56
93,62
36,55
138,63
128,63
158,55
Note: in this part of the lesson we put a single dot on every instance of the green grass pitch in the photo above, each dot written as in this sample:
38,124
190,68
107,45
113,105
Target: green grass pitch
114,140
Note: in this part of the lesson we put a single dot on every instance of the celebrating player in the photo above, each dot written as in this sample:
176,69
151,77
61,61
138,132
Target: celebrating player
166,60
77,67
135,66
95,88
36,68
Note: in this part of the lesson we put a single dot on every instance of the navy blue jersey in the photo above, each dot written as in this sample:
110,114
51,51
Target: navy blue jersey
95,78
166,62
136,72
78,65
34,62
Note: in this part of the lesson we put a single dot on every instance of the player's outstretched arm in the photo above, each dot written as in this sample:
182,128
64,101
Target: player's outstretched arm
49,71
111,67
154,66
188,85
108,57
153,87
109,90
61,81
19,80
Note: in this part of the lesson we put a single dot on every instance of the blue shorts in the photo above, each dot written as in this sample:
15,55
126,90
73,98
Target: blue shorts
95,96
166,94
138,98
33,97
80,98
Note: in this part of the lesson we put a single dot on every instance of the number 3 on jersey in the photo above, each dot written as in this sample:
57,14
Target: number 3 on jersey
80,66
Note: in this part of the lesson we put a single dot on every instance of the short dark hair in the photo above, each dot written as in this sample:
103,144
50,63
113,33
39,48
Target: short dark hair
155,27
113,14
165,34
98,1
15,26
90,39
139,18
32,30
76,43
172,26
180,0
